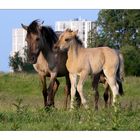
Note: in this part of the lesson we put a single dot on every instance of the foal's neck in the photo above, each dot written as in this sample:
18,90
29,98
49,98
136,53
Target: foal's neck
74,48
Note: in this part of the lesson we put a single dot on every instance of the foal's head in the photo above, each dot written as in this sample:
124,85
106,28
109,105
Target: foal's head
65,39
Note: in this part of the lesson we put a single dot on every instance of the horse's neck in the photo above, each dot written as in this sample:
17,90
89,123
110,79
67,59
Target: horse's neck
47,53
50,57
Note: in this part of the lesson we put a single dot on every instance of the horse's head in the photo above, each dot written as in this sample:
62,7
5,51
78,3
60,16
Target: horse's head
65,39
34,40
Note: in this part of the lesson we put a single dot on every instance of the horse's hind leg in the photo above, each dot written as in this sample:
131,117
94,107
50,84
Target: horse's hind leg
95,83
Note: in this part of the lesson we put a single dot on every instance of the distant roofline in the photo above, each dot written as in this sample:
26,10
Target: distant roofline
75,19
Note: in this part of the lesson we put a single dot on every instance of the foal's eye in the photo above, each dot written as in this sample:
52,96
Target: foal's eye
67,39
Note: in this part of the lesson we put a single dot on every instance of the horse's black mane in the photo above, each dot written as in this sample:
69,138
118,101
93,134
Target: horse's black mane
49,35
47,32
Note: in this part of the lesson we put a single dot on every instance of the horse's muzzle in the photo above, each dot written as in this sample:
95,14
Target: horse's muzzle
33,59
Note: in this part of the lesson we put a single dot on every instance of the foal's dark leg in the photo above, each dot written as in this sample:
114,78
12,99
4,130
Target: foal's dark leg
44,89
110,97
95,83
106,94
67,91
78,99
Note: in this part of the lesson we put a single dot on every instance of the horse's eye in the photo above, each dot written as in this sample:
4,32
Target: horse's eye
37,39
67,39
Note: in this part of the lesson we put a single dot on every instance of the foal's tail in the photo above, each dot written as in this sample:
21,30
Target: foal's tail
120,73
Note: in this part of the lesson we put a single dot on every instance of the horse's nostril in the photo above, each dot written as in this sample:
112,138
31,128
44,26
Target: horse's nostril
32,58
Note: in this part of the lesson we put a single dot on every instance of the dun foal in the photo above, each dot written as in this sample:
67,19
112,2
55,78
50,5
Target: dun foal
83,61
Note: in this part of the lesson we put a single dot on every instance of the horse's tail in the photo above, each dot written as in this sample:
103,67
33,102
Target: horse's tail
120,73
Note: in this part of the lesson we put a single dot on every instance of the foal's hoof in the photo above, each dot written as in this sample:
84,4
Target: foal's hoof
86,106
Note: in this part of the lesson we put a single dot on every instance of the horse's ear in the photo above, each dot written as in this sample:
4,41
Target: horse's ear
42,22
24,27
40,25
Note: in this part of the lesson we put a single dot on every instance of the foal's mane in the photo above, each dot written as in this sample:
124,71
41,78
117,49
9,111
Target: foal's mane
49,36
78,40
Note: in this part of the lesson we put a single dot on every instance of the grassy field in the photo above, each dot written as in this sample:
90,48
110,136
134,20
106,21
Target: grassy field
21,107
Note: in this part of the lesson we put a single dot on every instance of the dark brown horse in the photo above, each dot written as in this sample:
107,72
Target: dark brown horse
40,40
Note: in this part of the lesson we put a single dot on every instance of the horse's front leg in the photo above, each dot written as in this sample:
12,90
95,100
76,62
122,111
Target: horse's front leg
50,99
55,88
44,88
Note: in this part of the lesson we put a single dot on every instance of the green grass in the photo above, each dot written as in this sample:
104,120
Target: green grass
21,107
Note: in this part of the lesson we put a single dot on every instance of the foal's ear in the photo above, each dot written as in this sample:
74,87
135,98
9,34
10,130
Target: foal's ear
75,33
24,26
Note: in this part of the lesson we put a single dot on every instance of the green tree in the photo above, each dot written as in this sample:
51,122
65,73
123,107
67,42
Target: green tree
27,67
92,36
119,27
131,60
19,63
16,62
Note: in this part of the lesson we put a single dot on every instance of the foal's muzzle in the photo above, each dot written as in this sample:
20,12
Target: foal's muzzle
56,48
